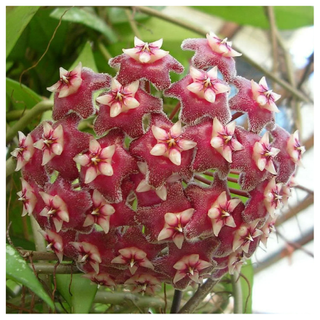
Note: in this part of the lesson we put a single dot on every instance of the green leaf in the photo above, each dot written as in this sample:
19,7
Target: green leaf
86,58
83,16
287,17
246,279
20,96
18,270
17,19
79,294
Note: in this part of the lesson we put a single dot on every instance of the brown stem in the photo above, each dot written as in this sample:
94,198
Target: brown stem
200,294
174,111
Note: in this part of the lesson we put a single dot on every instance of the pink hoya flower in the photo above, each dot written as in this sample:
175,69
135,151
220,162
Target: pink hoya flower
101,279
170,144
189,266
220,212
246,101
120,99
209,56
235,261
224,140
221,46
55,242
206,85
88,253
201,95
74,91
69,82
267,229
131,120
100,212
133,257
144,186
28,198
245,235
174,224
143,283
145,52
263,154
96,161
273,196
294,148
265,97
25,150
52,142
55,209
146,61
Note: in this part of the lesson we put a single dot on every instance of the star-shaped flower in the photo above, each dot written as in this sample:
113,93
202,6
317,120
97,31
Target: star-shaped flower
145,52
267,229
273,196
164,147
55,209
263,154
205,56
209,153
134,258
174,224
120,99
236,261
55,242
28,198
294,148
190,266
97,161
74,91
244,160
265,97
245,235
63,206
166,221
146,61
170,144
144,283
290,153
222,46
220,212
101,279
109,163
130,121
206,202
206,85
88,253
74,142
223,139
250,101
100,213
201,94
25,150
52,142
68,83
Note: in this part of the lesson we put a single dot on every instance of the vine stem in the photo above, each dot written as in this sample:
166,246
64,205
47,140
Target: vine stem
39,108
237,293
176,301
200,294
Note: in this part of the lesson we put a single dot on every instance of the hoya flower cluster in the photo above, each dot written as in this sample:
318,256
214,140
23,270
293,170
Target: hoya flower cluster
145,200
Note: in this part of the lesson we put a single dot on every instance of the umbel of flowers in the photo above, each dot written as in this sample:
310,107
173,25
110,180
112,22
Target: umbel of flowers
143,200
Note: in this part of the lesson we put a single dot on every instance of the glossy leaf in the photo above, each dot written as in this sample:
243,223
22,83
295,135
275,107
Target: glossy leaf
17,19
287,17
88,18
78,291
18,270
20,96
